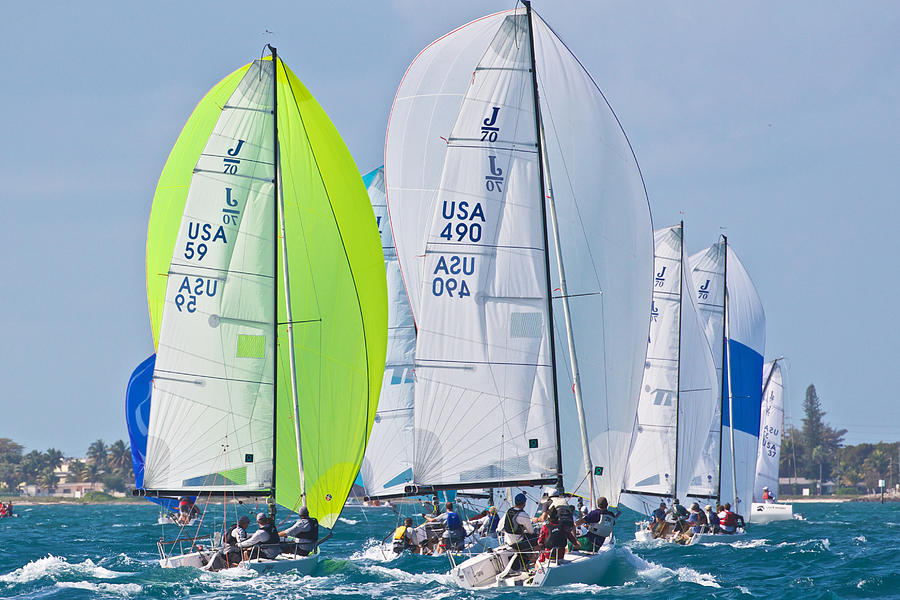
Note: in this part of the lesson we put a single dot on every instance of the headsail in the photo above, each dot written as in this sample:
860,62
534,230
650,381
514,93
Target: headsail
223,409
387,466
770,431
679,391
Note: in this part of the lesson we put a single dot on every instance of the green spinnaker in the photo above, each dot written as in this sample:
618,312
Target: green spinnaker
339,303
338,290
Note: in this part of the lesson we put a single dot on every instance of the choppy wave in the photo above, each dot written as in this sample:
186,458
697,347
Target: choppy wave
55,567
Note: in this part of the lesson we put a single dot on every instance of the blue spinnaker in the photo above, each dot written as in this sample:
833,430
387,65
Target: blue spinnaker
137,416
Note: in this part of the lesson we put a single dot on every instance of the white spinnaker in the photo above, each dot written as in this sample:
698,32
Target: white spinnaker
666,446
607,246
770,431
708,272
746,348
387,465
212,404
484,405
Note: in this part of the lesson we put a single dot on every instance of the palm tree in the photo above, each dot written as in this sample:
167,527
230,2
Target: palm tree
47,479
53,458
93,472
119,456
32,464
97,453
77,470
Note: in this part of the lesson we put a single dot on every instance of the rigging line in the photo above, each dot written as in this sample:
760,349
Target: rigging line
206,268
217,378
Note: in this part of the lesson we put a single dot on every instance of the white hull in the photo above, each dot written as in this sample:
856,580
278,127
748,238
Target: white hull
166,520
766,513
491,569
644,535
304,565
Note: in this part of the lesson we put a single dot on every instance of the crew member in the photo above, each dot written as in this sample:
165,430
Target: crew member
187,510
768,497
264,542
518,532
727,519
554,537
454,536
305,530
601,522
230,555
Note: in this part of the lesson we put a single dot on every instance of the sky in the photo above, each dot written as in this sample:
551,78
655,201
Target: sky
775,123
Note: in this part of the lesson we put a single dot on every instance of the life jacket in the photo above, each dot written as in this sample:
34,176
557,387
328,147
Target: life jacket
400,532
229,536
604,527
556,536
566,516
767,495
453,521
491,523
273,533
312,534
511,523
730,519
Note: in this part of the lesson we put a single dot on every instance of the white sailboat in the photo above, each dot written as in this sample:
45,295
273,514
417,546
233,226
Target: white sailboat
768,459
679,391
735,326
271,325
520,217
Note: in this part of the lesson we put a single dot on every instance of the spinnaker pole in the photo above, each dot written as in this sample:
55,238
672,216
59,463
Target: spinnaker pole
549,206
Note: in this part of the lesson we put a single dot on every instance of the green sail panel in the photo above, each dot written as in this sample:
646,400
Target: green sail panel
172,190
339,306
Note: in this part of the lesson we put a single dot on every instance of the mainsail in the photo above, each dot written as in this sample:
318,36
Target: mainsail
770,431
387,466
708,273
679,392
272,333
496,126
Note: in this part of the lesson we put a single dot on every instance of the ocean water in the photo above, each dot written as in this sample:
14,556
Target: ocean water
832,551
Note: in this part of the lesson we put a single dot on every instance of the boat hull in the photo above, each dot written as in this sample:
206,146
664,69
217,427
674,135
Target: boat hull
490,570
767,513
304,565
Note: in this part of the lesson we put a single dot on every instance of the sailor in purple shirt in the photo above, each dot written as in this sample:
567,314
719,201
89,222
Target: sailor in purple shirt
600,522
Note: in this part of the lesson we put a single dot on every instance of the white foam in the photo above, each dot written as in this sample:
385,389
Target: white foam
861,539
650,570
53,566
400,575
375,551
799,517
119,589
740,543
348,521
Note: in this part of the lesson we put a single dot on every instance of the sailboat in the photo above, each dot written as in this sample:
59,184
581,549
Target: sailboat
524,238
768,458
268,306
734,321
387,465
679,390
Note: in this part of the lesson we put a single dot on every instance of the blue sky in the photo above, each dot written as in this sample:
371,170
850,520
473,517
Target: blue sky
776,123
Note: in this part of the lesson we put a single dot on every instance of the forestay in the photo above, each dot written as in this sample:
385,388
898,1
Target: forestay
770,432
708,273
679,391
387,465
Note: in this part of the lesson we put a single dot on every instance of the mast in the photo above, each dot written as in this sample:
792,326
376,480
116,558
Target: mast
724,350
280,233
570,338
678,364
538,129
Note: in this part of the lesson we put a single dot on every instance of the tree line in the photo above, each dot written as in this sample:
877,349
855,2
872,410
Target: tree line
109,464
817,451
